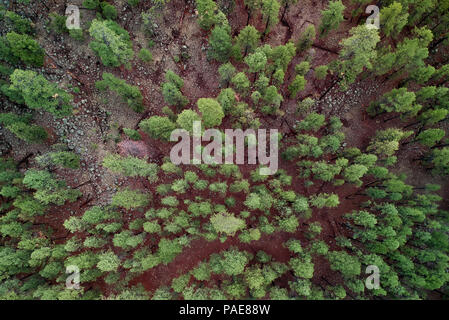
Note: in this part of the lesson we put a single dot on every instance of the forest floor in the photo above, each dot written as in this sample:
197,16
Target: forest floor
95,128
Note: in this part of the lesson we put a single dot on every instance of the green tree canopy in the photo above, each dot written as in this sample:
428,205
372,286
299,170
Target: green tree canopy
111,43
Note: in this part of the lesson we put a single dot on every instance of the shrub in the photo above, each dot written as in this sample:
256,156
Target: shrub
186,118
25,48
220,43
108,262
108,11
211,111
130,166
130,199
28,133
321,72
170,201
65,159
36,92
152,227
111,43
158,127
130,94
171,90
240,82
145,55
133,134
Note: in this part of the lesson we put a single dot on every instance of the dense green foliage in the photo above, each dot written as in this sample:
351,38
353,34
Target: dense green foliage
111,43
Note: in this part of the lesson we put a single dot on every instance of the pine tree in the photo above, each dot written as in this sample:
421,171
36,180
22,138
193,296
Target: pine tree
130,199
212,112
397,100
206,13
270,14
252,6
286,4
430,137
38,93
29,133
234,262
171,90
66,159
158,127
220,43
341,261
393,19
409,54
227,100
321,72
358,52
226,72
306,39
111,43
312,122
23,47
298,84
332,17
108,261
130,94
302,267
241,82
256,61
247,39
386,142
440,161
91,4
130,166
186,118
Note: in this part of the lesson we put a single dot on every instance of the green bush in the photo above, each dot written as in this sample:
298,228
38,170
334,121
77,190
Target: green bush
36,92
212,112
158,127
91,4
145,55
22,47
29,133
108,11
111,43
130,94
131,166
130,199
66,159
133,134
